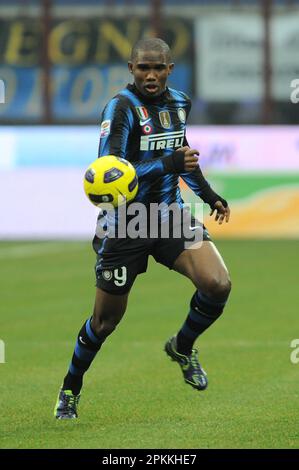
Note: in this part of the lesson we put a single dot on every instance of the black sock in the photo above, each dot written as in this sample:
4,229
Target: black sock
203,312
87,346
73,383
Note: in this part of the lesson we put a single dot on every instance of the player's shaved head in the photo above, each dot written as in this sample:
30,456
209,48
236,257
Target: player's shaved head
150,65
149,45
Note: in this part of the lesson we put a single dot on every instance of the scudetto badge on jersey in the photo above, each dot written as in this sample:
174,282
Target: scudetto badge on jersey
105,128
165,120
142,112
182,115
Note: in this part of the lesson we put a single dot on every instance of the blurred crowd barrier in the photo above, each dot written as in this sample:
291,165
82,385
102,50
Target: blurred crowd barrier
41,180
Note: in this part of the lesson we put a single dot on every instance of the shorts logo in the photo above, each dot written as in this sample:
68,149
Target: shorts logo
147,129
182,115
107,275
165,120
105,128
142,112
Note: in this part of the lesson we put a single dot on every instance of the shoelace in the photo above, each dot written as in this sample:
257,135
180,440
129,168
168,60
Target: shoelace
71,402
194,360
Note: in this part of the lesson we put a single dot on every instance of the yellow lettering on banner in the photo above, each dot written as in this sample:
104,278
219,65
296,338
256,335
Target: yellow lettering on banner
109,35
22,48
78,54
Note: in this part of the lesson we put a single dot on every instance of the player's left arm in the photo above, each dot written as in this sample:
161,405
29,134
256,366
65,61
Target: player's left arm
200,186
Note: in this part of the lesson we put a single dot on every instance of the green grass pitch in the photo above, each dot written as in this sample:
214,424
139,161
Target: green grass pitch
134,396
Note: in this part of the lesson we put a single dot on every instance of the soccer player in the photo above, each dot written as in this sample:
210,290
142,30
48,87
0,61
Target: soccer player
145,123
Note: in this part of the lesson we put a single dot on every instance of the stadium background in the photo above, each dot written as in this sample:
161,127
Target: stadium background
60,61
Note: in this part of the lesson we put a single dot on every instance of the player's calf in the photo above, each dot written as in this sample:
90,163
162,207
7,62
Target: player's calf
204,311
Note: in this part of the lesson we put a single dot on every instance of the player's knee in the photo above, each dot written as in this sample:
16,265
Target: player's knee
103,328
217,287
104,323
107,328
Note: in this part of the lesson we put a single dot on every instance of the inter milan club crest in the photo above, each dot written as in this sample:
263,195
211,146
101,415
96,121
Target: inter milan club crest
107,275
165,120
182,115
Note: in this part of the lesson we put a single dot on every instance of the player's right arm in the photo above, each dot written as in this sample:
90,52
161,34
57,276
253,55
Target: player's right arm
116,128
176,163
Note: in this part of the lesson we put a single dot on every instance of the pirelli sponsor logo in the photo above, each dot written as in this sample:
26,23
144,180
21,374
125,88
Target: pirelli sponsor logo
166,140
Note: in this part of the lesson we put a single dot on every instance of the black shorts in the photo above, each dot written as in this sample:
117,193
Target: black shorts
120,260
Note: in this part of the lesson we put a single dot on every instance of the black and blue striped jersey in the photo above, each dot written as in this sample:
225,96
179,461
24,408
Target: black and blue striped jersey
143,130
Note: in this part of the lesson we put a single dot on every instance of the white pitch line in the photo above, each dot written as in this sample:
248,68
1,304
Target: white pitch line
35,249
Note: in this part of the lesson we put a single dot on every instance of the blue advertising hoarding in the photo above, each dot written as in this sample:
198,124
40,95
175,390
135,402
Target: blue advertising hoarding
87,61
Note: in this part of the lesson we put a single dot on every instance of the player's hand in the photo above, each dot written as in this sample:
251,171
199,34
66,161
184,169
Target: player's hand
190,161
222,213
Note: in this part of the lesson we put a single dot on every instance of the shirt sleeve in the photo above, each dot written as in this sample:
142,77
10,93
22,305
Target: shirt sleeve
149,169
116,125
116,128
195,179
